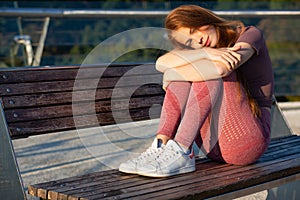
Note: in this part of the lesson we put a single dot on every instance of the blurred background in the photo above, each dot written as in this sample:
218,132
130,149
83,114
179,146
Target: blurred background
66,40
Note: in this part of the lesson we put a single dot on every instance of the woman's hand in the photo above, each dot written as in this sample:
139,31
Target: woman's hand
226,57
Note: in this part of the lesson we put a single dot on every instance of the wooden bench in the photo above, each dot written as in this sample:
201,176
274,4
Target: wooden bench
44,100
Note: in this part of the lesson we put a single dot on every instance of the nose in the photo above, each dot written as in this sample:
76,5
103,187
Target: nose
201,40
197,38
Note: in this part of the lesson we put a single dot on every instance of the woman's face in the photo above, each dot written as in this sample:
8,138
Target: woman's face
205,36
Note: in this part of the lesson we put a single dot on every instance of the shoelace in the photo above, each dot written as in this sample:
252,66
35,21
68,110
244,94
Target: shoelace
150,152
167,155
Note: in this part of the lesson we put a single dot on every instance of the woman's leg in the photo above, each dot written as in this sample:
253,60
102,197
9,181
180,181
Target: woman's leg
191,105
243,138
203,105
220,111
174,104
172,110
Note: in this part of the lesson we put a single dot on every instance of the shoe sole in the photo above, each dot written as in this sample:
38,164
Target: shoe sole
127,171
177,172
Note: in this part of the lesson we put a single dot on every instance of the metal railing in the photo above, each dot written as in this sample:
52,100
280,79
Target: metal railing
73,13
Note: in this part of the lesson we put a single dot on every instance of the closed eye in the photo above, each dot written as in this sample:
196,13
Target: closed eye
188,43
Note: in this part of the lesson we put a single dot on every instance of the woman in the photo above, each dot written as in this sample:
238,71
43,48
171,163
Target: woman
219,85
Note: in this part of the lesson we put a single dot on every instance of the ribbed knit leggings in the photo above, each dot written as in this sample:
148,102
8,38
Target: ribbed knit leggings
216,115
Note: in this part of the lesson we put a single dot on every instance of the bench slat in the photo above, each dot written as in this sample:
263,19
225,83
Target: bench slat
262,171
156,189
37,100
25,129
204,182
233,182
56,111
21,75
37,74
135,186
104,179
68,85
199,184
154,186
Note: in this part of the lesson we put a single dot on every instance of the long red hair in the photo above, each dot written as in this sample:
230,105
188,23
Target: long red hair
228,31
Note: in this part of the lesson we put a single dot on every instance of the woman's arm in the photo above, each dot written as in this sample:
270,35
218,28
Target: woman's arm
205,69
179,58
191,73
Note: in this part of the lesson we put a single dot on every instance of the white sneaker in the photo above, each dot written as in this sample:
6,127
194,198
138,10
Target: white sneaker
171,161
153,151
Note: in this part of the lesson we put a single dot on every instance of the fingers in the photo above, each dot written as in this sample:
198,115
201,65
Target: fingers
231,59
235,48
228,56
228,63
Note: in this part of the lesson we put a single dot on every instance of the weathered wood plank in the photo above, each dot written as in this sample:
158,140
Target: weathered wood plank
199,184
118,186
21,75
103,179
282,141
36,74
85,108
74,183
45,99
181,184
257,188
205,183
155,188
25,129
190,191
68,85
41,100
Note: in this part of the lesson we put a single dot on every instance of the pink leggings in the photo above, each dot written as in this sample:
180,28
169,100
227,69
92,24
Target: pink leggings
216,115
